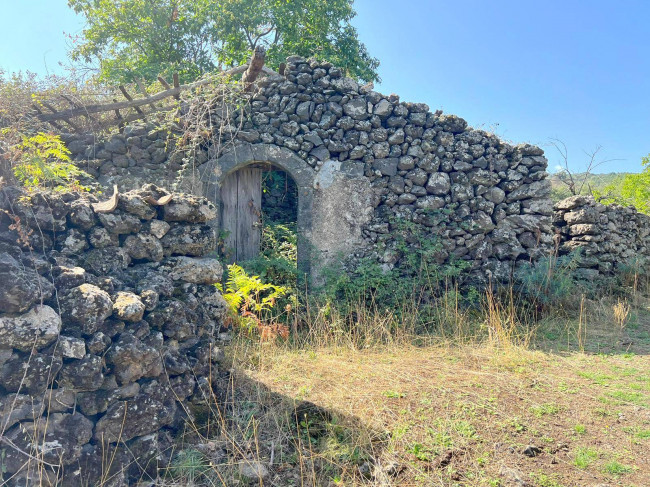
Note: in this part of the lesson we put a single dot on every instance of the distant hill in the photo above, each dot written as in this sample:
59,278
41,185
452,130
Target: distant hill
593,182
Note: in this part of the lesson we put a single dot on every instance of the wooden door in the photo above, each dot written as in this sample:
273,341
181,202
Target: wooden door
241,205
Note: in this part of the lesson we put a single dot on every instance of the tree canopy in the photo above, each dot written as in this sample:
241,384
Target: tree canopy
127,39
636,187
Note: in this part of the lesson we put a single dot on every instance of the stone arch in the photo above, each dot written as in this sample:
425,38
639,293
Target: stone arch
214,172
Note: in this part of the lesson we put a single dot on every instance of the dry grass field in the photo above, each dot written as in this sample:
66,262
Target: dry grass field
569,406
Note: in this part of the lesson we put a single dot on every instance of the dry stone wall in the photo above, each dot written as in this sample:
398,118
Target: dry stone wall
609,238
370,160
109,332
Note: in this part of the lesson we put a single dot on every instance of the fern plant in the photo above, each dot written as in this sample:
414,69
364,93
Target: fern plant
252,301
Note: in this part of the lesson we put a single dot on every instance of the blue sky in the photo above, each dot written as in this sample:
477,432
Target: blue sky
529,70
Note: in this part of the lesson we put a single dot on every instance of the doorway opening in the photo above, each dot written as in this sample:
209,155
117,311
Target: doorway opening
259,220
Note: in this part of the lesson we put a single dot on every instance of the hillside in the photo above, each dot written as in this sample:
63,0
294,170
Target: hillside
597,182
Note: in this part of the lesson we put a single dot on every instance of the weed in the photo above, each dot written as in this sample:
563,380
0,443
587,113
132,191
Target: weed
616,468
551,281
580,429
394,394
251,302
43,160
597,377
545,409
545,480
189,466
584,457
637,398
621,312
638,433
421,452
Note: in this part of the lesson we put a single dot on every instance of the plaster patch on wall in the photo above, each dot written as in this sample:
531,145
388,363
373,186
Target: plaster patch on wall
327,174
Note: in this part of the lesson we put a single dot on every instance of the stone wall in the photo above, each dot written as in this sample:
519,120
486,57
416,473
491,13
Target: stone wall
608,237
139,155
109,332
365,160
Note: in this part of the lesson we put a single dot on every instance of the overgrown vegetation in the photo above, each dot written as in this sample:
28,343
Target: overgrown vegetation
542,368
43,161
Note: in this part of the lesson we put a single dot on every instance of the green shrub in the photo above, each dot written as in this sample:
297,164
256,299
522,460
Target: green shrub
551,280
43,160
415,282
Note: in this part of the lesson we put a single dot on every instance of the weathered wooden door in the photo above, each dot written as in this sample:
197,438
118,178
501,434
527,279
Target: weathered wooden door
241,209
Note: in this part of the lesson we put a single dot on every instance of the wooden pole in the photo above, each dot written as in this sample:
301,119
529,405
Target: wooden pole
255,66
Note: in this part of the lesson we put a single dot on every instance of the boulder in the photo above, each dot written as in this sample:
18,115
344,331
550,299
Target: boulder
134,204
149,298
72,347
537,189
73,242
383,109
100,238
583,215
131,359
18,407
356,109
438,184
387,167
86,306
189,208
193,270
192,240
573,202
82,215
29,374
171,317
93,403
157,228
128,307
213,304
120,223
149,411
20,287
144,247
85,374
452,123
56,439
106,261
69,277
35,329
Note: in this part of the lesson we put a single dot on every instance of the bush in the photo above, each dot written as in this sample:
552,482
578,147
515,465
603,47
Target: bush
551,280
43,160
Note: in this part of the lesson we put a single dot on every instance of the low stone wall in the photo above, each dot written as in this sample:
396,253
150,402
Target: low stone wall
608,237
109,329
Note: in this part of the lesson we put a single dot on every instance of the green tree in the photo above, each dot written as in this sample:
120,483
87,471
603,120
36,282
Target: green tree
636,187
125,39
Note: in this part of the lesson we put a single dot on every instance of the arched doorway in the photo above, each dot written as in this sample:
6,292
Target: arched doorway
259,206
217,177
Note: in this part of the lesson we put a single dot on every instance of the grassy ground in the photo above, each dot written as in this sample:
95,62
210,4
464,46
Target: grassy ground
561,401
466,416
